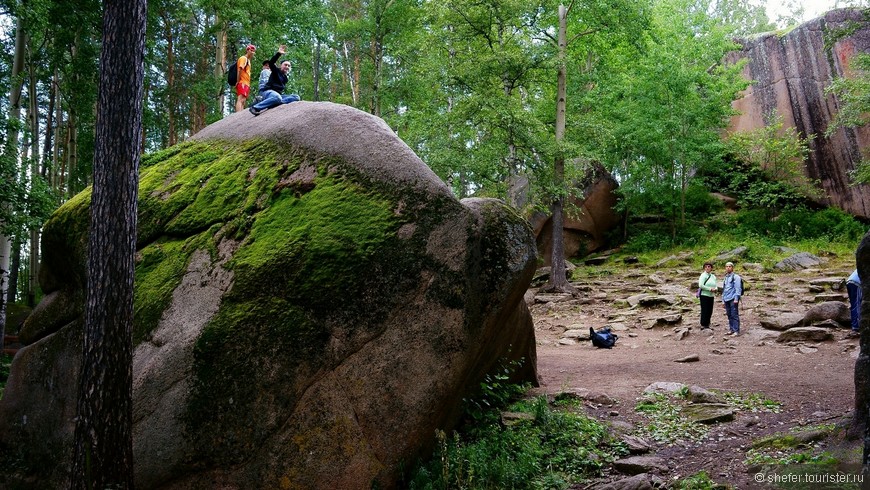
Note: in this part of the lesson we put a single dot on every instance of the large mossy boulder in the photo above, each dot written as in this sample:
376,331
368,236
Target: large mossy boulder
311,305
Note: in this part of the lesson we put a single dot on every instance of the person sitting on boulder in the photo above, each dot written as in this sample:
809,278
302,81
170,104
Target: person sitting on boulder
853,287
273,91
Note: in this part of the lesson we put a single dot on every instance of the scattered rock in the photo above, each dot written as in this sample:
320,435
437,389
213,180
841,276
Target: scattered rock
828,310
577,334
553,297
635,465
819,298
664,387
689,358
804,349
701,395
798,261
733,255
657,279
642,481
595,260
681,334
709,413
783,321
635,444
834,283
805,334
753,266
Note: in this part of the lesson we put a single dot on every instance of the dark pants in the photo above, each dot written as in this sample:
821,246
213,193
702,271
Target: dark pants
855,297
706,310
733,315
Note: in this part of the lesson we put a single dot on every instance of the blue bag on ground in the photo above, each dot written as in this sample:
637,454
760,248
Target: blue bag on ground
603,339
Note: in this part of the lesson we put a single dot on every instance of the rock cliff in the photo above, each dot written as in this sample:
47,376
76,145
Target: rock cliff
790,74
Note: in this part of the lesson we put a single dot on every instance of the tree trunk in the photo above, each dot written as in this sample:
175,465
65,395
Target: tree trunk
558,280
35,173
220,62
14,269
11,152
862,365
315,70
172,91
103,443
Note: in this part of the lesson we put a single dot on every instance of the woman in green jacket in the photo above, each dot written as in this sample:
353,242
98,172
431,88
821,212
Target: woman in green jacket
706,288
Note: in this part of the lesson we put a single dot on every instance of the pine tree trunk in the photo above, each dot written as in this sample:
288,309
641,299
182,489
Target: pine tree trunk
103,443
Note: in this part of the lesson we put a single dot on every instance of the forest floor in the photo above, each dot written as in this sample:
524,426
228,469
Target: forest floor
813,381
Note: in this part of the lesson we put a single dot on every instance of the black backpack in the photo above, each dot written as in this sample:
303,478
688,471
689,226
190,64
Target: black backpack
742,285
233,74
603,339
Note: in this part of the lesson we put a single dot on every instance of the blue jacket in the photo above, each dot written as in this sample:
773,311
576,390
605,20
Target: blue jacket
732,287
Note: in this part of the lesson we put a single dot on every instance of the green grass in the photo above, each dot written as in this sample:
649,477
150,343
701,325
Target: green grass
666,423
559,447
751,402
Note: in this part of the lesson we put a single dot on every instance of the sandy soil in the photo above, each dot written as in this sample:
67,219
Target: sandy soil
812,380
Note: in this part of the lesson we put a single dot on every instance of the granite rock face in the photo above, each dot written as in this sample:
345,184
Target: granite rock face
311,305
790,74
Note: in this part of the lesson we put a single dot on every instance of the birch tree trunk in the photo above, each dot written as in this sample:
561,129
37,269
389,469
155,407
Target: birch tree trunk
11,152
558,280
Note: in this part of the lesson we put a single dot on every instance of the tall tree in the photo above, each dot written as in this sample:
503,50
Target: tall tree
669,105
10,171
103,445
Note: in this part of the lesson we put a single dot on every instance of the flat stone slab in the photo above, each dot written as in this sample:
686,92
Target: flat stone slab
635,465
709,413
805,334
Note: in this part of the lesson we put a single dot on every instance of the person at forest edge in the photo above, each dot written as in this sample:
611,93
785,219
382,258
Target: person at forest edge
732,290
853,287
706,288
243,85
273,91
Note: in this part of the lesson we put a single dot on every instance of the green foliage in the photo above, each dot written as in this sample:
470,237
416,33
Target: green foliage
778,457
751,402
699,481
666,424
797,224
853,95
494,392
777,155
668,104
560,446
659,238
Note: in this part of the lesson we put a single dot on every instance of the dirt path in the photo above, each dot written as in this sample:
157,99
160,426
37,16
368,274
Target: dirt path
812,380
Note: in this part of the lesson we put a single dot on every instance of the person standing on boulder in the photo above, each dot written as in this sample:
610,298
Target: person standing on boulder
853,287
272,92
706,288
243,85
732,290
